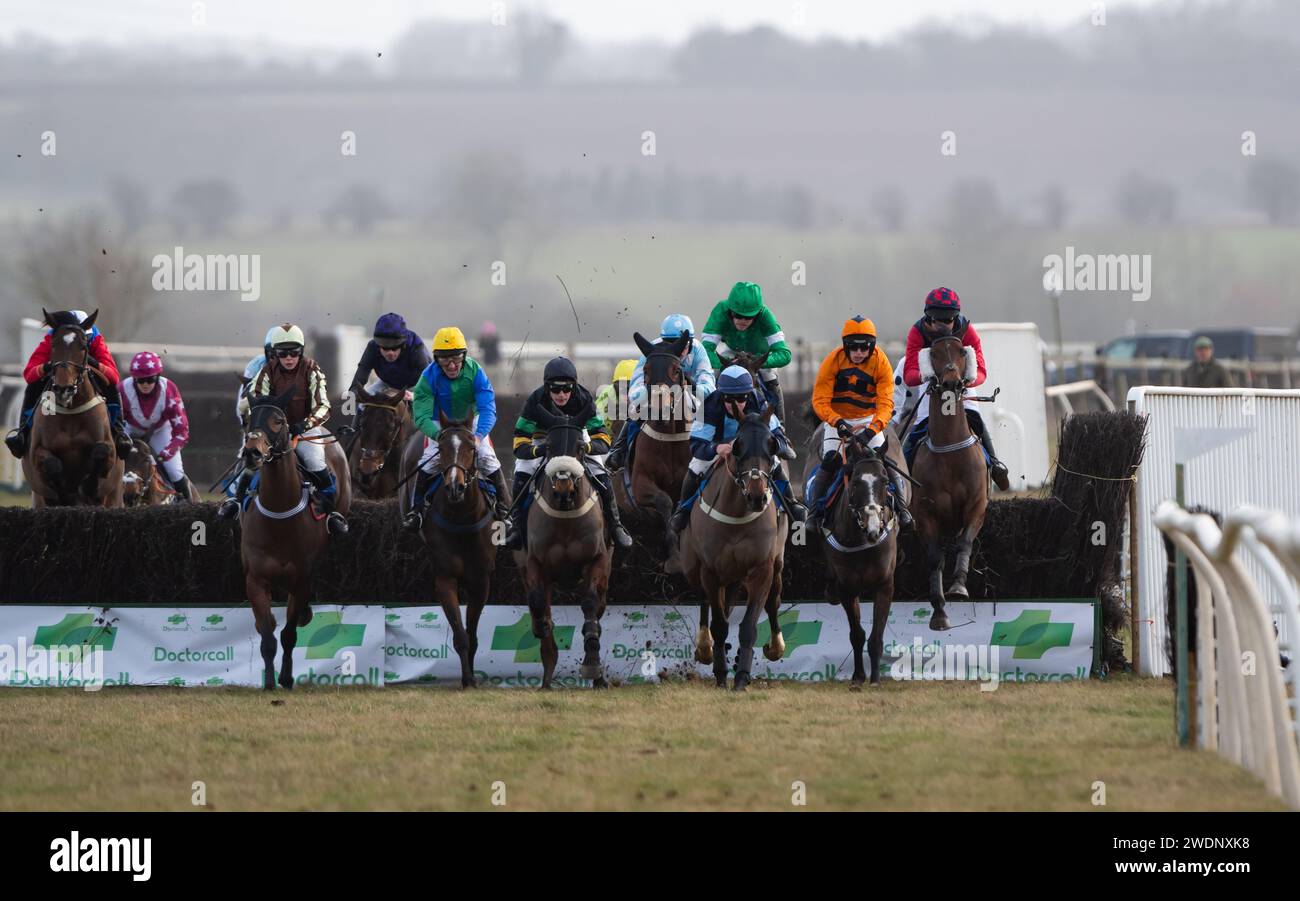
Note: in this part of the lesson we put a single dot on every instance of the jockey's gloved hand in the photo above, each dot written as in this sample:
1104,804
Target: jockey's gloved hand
297,428
537,450
844,429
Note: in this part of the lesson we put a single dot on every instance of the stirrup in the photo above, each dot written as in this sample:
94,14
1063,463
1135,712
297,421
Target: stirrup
413,519
336,523
228,509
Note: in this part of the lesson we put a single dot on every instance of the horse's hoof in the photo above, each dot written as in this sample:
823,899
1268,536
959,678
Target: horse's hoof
958,591
592,671
741,685
776,649
599,683
875,681
704,653
939,623
286,683
856,684
304,616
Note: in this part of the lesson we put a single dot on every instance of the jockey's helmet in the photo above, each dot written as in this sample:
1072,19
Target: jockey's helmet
286,335
745,300
146,364
624,371
449,341
859,333
735,380
674,325
390,331
942,303
560,369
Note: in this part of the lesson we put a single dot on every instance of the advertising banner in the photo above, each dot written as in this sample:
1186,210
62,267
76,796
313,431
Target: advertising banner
1015,641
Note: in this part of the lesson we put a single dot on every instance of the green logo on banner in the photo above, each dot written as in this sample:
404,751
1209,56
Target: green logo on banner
327,634
175,619
75,629
922,611
1032,633
176,681
390,677
214,619
673,617
392,617
429,617
795,633
519,638
216,680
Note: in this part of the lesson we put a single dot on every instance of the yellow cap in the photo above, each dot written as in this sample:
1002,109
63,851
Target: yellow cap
449,338
623,371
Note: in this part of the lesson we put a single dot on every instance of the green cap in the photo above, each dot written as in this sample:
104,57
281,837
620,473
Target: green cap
746,299
1203,342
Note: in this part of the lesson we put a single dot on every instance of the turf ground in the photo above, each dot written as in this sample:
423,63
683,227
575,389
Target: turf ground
683,746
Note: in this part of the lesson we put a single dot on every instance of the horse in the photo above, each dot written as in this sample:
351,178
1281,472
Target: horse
753,364
143,483
72,459
457,530
734,540
662,451
385,427
567,547
282,535
861,544
953,494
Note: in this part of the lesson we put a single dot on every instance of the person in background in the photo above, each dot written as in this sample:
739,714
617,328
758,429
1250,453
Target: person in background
489,343
254,366
154,411
1205,371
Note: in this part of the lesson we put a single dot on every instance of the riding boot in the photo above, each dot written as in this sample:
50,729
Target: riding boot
411,521
517,521
610,505
682,515
997,468
900,508
798,512
323,494
502,512
617,457
821,484
229,508
17,439
182,486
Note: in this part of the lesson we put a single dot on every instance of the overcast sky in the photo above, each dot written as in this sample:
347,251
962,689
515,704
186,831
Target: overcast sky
370,24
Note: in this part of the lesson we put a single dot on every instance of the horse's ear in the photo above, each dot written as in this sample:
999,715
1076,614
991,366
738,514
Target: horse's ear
680,344
545,419
443,422
764,412
645,346
283,400
49,320
89,322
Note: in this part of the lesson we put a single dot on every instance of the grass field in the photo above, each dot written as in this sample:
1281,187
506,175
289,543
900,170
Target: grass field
686,746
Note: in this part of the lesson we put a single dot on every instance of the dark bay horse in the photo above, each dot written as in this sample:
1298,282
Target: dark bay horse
385,427
282,535
860,543
72,459
143,484
953,494
662,451
457,530
567,547
735,540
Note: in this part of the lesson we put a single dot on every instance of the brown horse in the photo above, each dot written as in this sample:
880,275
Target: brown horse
567,548
143,484
72,459
457,529
953,494
662,451
282,536
734,540
860,544
386,425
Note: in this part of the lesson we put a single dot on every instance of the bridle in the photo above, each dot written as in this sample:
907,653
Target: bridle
678,381
65,394
367,453
743,478
937,386
471,471
280,444
562,476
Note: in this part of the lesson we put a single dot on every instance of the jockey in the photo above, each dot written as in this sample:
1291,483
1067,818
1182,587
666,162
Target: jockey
742,323
560,395
307,411
454,386
250,372
154,411
611,398
854,395
943,317
711,435
38,368
396,355
697,366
